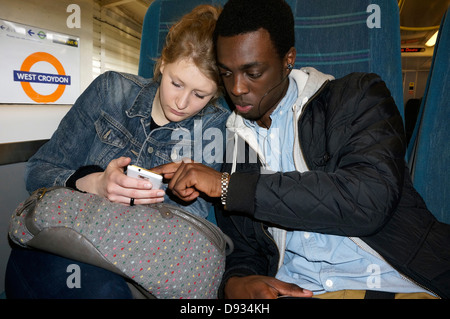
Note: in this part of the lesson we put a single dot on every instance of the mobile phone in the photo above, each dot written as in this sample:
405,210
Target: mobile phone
142,173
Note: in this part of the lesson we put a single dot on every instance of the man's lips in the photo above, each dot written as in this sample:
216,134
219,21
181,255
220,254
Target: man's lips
243,108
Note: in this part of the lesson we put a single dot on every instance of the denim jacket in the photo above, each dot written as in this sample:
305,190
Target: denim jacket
111,119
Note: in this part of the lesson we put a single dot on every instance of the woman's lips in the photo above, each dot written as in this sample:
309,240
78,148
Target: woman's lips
175,112
243,109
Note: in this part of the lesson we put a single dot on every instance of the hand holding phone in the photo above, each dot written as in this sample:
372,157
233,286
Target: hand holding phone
142,173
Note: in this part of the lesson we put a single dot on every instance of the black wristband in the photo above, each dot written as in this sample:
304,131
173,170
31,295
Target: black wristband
82,172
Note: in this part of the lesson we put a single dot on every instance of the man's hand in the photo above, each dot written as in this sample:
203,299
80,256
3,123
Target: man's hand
189,179
118,187
262,287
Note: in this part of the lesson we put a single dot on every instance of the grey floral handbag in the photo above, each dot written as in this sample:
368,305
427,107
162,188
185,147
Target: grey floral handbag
166,251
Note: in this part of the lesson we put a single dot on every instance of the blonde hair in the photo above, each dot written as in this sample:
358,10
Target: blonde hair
191,38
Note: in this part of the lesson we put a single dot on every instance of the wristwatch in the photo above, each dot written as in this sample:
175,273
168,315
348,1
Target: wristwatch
225,179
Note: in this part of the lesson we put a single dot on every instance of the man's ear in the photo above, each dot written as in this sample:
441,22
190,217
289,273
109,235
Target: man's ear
290,56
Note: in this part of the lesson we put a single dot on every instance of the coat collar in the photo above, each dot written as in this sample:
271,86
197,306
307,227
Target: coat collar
142,105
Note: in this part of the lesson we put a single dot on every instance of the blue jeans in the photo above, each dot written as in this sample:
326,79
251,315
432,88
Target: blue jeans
32,274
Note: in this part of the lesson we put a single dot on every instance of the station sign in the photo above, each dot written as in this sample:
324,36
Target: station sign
38,66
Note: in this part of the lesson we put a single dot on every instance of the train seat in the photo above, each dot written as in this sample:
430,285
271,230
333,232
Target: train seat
429,150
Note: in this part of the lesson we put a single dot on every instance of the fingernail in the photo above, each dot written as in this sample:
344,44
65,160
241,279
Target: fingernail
161,193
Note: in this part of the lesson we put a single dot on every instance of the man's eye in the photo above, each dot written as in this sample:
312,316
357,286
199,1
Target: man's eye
254,75
225,74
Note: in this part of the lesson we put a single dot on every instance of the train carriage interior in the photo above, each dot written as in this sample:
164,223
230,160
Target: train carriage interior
404,41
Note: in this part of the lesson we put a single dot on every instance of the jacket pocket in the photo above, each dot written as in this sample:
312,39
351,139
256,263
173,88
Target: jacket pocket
112,141
111,132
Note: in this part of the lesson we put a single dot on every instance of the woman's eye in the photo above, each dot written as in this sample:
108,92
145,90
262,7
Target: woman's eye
199,96
176,84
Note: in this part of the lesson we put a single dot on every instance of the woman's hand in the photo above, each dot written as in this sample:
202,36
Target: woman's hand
118,187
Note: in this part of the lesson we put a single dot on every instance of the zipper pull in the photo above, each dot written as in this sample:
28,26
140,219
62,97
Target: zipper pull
32,200
165,212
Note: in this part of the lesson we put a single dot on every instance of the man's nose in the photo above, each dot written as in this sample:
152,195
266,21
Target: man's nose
239,86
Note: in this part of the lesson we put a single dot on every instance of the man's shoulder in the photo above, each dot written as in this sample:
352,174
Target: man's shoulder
357,86
357,92
357,80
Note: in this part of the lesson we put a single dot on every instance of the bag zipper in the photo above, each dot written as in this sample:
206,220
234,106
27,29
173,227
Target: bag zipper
32,199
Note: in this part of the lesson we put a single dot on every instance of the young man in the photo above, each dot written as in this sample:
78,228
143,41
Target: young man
328,205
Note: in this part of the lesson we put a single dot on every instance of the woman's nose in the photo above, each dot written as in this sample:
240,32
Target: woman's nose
182,101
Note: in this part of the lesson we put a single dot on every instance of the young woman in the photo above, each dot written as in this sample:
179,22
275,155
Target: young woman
124,119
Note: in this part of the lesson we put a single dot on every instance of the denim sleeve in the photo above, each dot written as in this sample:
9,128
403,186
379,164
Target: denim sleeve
68,148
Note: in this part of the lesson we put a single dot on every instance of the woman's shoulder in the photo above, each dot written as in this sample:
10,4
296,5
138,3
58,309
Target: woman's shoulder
218,110
219,106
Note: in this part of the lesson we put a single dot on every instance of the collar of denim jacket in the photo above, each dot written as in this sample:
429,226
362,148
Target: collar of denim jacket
142,105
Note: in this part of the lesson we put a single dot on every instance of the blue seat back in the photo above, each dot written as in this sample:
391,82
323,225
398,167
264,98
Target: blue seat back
340,37
429,151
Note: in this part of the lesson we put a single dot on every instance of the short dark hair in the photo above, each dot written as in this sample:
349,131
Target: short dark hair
243,16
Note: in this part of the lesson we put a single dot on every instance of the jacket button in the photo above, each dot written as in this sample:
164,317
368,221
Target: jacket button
150,149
